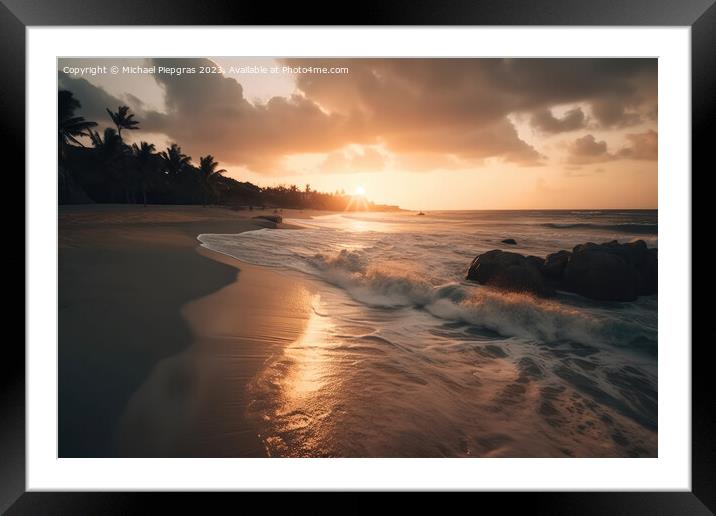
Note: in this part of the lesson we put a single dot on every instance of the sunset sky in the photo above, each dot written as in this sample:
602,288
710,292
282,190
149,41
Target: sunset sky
421,133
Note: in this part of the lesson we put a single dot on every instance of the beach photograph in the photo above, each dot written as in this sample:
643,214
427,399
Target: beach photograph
357,257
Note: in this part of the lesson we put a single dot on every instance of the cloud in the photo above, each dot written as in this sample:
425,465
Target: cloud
589,146
134,102
364,159
471,145
471,91
427,116
643,146
460,107
417,161
578,171
588,150
446,113
209,113
545,121
613,112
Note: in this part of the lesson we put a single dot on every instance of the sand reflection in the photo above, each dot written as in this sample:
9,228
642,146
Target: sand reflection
297,393
312,369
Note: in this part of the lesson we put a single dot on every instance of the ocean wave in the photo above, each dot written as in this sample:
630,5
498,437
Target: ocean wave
631,227
520,315
508,314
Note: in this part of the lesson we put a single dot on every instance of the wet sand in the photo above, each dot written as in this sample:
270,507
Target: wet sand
159,337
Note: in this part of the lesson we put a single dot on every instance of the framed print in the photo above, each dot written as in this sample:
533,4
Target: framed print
446,248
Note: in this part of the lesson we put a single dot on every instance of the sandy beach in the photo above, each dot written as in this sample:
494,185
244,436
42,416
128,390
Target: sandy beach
159,336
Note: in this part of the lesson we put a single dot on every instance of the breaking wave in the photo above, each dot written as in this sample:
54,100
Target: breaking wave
506,313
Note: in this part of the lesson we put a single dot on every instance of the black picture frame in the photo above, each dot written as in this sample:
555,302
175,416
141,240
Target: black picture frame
17,15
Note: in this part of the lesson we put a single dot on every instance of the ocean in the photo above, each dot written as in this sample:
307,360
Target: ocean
401,357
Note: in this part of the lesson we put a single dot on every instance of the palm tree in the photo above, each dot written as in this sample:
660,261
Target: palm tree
294,194
145,158
208,174
123,120
109,152
174,160
70,126
107,145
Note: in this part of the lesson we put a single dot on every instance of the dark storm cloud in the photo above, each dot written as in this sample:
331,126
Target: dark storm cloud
479,90
613,112
545,121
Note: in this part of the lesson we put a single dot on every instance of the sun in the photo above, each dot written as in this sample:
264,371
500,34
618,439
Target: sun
358,200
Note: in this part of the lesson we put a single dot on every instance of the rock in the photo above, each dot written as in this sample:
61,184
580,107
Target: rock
271,218
535,261
487,265
510,241
649,277
523,278
508,271
555,264
611,271
605,272
598,274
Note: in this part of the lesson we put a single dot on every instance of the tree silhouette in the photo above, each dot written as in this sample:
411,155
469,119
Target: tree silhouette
123,119
70,126
109,156
207,175
108,145
174,160
146,163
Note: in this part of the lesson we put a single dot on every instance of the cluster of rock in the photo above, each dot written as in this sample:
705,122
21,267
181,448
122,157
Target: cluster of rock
605,272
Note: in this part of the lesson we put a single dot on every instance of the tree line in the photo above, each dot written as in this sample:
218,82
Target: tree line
109,170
